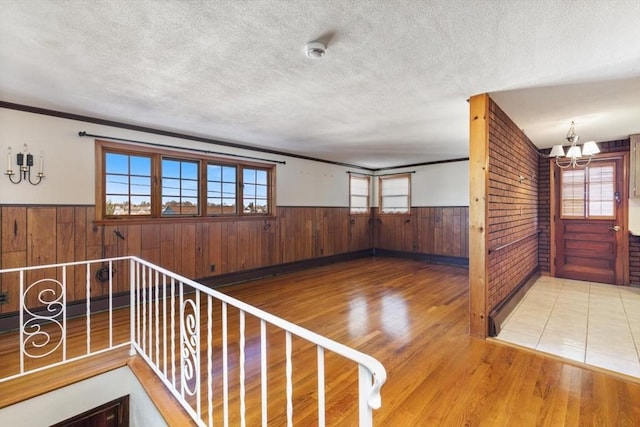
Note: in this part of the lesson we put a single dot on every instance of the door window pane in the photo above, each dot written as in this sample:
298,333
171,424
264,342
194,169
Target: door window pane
601,191
588,192
573,195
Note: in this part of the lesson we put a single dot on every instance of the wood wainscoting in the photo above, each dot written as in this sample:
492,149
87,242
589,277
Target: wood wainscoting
212,251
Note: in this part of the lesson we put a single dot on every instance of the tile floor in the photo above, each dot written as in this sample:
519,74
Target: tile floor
588,322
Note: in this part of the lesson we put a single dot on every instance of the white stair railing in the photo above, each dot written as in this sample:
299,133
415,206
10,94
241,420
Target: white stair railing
43,312
226,362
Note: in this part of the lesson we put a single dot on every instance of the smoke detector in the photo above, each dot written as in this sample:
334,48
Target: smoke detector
314,50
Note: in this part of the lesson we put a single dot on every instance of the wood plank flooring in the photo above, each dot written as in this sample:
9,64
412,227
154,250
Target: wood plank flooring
413,317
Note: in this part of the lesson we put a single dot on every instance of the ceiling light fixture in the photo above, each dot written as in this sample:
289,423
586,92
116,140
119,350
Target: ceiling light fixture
315,50
574,154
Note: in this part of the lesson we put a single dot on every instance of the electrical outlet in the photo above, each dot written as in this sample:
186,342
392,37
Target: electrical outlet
212,268
3,298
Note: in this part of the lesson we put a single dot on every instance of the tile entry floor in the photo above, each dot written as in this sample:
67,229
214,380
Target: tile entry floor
588,322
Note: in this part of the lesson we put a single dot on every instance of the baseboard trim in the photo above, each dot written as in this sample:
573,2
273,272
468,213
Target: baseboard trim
11,321
258,273
430,258
502,311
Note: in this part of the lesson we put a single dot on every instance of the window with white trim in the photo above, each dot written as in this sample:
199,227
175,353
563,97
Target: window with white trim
359,186
395,194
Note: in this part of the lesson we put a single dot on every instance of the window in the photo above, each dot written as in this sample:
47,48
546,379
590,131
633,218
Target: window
395,194
255,188
127,184
221,189
179,187
588,192
359,194
136,183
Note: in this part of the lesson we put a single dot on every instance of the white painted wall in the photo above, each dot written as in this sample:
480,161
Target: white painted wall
634,216
69,167
442,184
308,183
75,399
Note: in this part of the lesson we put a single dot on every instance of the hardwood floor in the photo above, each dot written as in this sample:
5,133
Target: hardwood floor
413,317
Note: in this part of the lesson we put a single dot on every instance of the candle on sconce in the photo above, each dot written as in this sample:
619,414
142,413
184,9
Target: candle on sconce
8,159
41,171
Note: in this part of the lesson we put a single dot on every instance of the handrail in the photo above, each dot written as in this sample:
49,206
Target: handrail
506,245
374,366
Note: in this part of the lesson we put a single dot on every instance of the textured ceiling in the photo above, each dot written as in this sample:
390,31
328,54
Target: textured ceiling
391,89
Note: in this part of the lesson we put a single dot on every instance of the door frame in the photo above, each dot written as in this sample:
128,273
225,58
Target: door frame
624,205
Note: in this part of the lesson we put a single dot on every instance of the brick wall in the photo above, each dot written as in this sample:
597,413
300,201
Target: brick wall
544,211
544,246
513,206
634,260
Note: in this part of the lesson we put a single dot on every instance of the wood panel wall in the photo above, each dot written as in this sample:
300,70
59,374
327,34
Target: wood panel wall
442,231
38,235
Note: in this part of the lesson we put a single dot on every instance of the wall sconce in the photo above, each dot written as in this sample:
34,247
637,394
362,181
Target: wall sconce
24,160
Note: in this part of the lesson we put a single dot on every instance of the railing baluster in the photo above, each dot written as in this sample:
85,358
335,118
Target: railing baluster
225,368
88,290
143,285
64,313
181,343
289,380
22,308
132,303
149,299
321,408
157,280
173,332
110,304
210,358
139,313
198,357
242,390
164,324
263,370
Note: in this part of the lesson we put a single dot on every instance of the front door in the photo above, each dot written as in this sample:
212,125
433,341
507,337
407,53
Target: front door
590,219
